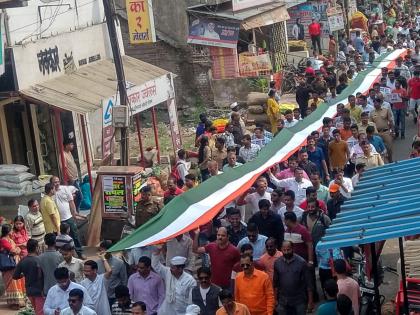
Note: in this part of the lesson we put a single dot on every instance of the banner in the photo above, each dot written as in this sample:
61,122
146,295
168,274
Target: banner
107,128
306,12
245,4
141,26
254,63
213,33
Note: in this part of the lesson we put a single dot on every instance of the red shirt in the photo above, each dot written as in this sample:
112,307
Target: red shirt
310,70
414,84
299,235
314,29
222,262
403,94
345,133
177,192
321,203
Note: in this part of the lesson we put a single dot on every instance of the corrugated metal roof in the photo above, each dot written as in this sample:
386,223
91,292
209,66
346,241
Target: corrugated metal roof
384,205
83,90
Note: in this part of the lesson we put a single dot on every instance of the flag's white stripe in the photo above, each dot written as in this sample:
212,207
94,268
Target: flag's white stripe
196,210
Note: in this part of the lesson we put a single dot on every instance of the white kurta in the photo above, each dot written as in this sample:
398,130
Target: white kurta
177,291
97,292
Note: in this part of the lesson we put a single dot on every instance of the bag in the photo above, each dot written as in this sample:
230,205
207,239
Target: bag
7,262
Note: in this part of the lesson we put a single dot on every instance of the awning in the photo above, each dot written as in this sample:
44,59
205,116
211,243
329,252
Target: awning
384,205
267,14
83,90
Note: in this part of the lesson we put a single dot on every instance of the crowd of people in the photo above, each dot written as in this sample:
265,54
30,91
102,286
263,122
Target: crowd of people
259,255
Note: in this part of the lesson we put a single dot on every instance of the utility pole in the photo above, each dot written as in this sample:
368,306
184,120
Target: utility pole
119,69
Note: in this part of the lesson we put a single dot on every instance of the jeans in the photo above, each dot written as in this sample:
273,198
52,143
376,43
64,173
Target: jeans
399,116
74,233
297,309
79,196
316,40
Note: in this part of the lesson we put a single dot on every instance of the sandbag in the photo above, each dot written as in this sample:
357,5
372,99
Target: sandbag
256,98
12,169
256,109
18,178
14,186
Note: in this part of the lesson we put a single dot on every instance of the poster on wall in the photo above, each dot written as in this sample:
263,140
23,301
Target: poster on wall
252,63
306,12
107,128
336,22
136,186
245,4
213,33
115,199
141,26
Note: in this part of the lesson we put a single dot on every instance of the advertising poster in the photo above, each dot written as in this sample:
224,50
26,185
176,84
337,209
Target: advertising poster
306,12
115,199
336,22
213,33
249,63
136,186
140,21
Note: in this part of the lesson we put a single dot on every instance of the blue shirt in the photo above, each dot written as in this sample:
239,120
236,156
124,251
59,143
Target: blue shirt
378,143
258,246
327,308
317,157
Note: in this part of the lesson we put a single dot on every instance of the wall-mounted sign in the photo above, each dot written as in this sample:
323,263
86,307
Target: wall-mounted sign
336,22
115,199
213,33
141,24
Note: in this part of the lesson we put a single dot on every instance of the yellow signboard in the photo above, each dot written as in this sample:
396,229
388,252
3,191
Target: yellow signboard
140,21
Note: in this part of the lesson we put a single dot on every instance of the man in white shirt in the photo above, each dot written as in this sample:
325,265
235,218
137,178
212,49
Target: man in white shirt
289,201
249,150
297,184
76,304
57,297
95,285
345,183
63,198
254,195
178,284
182,165
404,70
181,245
289,121
363,104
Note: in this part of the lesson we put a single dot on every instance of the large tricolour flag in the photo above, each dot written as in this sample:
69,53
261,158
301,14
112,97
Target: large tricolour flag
201,204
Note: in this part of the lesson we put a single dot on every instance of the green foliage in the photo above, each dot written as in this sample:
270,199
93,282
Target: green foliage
260,84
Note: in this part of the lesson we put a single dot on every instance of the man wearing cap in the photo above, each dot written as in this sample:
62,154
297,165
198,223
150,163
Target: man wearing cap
336,201
178,284
147,207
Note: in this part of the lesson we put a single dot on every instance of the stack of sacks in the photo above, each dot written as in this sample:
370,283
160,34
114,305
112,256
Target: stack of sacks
15,180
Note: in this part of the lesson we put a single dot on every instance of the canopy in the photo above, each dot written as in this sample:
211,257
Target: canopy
384,205
199,205
83,90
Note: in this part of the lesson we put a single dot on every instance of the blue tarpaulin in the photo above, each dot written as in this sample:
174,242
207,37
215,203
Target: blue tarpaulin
384,205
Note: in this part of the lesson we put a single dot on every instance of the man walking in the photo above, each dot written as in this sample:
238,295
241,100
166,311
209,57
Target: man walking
30,268
178,284
206,294
49,260
253,288
147,286
95,285
223,256
76,306
63,198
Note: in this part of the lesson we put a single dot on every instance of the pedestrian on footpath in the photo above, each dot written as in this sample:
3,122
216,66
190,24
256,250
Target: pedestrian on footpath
35,224
49,260
30,268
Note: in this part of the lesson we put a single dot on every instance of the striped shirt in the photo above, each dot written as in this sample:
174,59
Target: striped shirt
63,239
35,226
116,309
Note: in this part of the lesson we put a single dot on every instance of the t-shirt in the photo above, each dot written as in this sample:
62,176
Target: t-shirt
414,84
49,207
222,262
350,287
62,197
299,236
337,152
30,267
327,308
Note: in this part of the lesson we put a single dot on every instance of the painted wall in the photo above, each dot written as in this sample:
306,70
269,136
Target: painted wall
44,19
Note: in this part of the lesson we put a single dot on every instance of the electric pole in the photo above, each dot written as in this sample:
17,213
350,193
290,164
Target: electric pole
119,69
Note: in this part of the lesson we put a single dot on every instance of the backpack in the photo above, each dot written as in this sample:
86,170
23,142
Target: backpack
175,173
